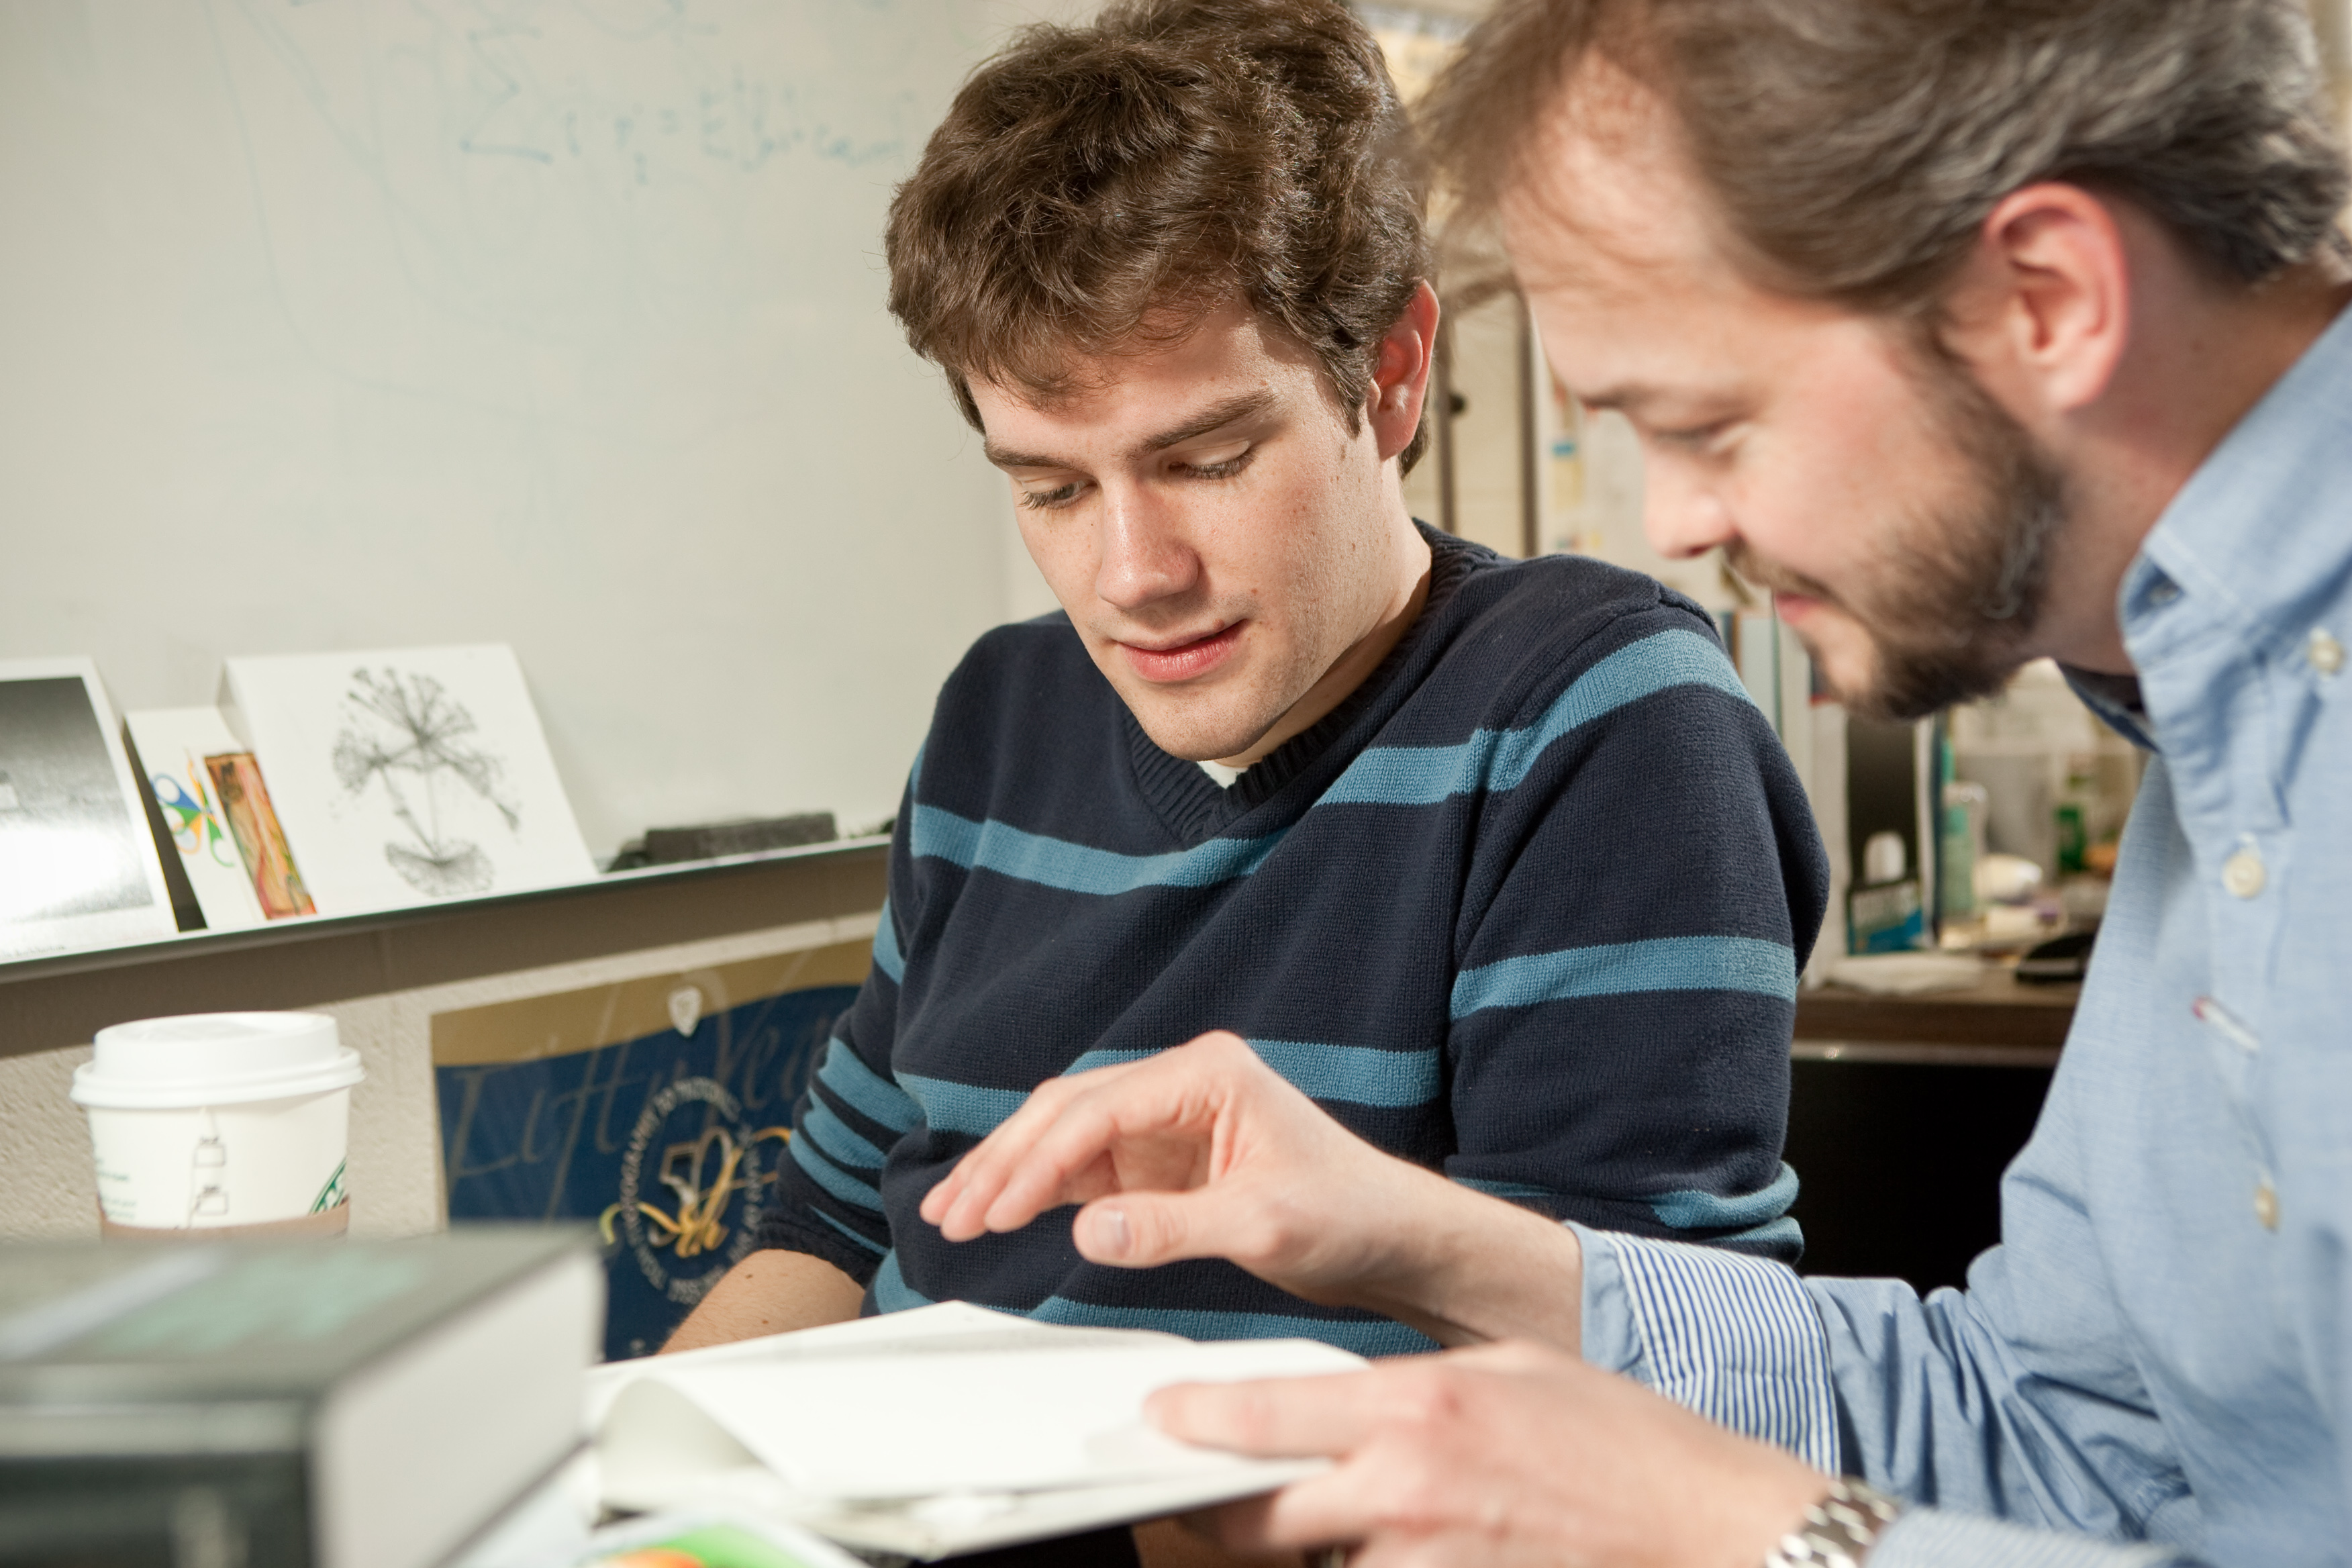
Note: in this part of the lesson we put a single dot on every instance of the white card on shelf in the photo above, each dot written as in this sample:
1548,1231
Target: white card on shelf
407,776
78,865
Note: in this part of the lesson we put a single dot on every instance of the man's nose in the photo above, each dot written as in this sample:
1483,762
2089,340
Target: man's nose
1145,556
1683,520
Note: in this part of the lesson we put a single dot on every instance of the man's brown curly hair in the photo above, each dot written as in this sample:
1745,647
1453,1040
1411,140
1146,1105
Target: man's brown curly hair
1097,191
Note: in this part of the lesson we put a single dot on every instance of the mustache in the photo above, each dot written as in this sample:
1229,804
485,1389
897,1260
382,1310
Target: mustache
1771,576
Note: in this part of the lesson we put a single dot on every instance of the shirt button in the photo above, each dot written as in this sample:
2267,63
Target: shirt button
2242,873
2266,1205
2326,655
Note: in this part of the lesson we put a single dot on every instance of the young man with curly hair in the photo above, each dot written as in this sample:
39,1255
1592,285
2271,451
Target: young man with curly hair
1494,860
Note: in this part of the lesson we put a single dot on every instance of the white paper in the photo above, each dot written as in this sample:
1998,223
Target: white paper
858,1336
77,866
407,776
958,1522
171,745
967,1401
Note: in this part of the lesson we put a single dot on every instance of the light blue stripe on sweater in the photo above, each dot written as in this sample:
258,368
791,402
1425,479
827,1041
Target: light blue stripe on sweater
1661,964
886,957
962,1107
833,1179
893,1294
1512,1191
1354,1075
1763,1213
1501,759
832,1134
992,845
1690,1210
846,1075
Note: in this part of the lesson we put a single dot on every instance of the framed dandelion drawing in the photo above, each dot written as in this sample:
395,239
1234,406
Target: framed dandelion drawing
407,776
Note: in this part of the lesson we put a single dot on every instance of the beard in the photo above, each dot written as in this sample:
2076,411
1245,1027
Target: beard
1960,586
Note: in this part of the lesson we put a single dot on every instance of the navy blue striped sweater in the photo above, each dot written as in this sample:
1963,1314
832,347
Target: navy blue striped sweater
1528,908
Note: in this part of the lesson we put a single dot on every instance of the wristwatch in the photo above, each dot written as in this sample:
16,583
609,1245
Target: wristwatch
1839,1530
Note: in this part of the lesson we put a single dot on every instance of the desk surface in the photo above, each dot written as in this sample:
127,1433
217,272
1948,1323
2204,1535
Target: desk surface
1998,1022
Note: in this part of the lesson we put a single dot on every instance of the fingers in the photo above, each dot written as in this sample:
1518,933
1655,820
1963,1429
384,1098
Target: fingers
1275,1521
1098,1121
1519,1356
1289,1418
1051,1151
1144,1230
1365,1499
961,1199
1334,1506
1510,1453
992,1155
1399,1486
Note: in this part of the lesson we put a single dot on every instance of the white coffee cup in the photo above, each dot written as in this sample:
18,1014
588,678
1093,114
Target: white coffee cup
220,1121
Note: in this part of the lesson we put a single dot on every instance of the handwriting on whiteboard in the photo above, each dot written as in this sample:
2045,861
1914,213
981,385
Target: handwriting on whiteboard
527,206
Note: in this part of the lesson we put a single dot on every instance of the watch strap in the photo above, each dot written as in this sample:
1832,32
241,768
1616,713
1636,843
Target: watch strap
1837,1532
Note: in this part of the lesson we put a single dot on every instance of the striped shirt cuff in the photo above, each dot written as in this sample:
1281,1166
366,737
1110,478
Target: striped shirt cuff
1926,1539
1732,1337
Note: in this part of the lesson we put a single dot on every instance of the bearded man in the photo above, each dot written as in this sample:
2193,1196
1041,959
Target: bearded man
1980,330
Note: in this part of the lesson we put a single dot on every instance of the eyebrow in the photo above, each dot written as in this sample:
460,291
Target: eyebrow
1620,397
1215,416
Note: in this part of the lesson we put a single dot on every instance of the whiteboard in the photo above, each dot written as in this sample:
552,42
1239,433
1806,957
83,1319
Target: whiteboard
371,323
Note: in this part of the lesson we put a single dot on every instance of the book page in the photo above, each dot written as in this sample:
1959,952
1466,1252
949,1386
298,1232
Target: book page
969,1402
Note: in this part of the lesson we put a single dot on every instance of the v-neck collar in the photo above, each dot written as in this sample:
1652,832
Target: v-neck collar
1191,803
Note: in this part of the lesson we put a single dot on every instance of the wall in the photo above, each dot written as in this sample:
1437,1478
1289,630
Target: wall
367,325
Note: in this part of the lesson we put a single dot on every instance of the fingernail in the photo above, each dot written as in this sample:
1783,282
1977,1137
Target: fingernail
1112,1236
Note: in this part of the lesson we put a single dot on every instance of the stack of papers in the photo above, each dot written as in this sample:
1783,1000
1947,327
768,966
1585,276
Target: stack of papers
943,1430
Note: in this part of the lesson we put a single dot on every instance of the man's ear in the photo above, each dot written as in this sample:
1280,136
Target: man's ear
1401,379
2042,311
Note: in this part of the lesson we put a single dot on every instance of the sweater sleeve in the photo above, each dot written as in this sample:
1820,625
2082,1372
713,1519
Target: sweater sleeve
1646,886
828,1197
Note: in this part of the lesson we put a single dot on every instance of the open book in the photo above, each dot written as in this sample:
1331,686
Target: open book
932,1432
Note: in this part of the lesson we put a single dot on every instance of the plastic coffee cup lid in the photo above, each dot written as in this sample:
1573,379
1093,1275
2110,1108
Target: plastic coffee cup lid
213,1058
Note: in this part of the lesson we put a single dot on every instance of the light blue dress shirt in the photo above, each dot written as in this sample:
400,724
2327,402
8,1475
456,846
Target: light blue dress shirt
2159,1351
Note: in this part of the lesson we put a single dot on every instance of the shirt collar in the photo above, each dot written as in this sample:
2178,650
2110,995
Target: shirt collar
2255,544
2115,700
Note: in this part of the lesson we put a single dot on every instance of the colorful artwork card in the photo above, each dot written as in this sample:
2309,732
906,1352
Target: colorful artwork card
181,753
407,776
77,866
260,838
